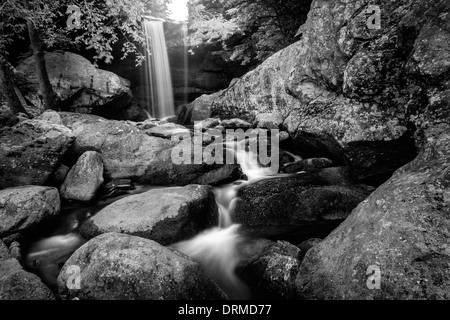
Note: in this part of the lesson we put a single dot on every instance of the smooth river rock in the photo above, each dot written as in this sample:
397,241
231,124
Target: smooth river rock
165,215
24,207
121,267
31,151
84,179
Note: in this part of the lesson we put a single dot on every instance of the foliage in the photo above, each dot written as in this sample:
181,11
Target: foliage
101,23
248,31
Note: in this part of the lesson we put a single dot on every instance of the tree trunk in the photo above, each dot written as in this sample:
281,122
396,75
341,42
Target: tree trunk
7,88
51,100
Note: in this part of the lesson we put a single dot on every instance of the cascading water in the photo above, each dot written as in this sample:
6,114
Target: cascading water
217,249
158,80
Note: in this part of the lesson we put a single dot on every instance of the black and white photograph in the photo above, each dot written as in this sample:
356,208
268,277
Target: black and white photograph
224,155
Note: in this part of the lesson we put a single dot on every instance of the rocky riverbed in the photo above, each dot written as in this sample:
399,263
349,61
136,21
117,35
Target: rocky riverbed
94,206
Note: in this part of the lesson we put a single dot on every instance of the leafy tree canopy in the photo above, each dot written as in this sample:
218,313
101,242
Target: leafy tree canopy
100,23
249,31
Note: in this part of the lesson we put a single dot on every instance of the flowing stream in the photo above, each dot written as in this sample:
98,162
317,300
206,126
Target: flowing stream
216,250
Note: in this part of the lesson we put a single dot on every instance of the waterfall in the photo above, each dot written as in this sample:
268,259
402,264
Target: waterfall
217,250
158,80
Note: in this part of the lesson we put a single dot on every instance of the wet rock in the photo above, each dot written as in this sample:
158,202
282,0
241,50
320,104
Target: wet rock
50,116
59,175
148,124
336,176
401,230
375,162
15,250
236,124
167,131
226,174
295,208
17,284
24,207
126,151
319,145
117,266
84,179
220,128
164,215
129,153
117,187
273,272
119,183
15,237
30,152
197,110
206,124
307,245
307,165
251,249
354,83
79,84
283,136
268,120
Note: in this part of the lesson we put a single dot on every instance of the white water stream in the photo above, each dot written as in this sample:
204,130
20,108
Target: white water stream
217,250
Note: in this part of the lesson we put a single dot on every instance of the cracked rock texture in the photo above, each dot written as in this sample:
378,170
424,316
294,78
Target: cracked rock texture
402,228
355,83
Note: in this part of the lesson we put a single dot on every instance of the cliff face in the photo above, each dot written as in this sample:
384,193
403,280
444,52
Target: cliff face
355,82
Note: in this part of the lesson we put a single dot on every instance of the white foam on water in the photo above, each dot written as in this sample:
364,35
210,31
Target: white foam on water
216,250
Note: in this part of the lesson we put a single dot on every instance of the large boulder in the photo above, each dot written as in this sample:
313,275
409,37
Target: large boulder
84,179
121,267
50,116
79,84
295,208
128,152
18,284
164,215
352,80
272,273
198,110
344,78
30,152
400,232
226,174
24,207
